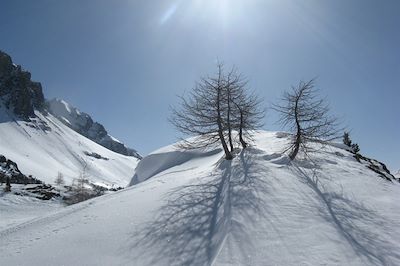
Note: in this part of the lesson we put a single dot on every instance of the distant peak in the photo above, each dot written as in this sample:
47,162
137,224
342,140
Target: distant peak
84,124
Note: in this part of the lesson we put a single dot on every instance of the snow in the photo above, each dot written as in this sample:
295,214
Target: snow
45,146
16,209
114,139
158,162
82,123
69,113
189,208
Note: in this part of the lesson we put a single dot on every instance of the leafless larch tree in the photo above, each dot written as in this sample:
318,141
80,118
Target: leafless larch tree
201,114
249,115
212,112
307,117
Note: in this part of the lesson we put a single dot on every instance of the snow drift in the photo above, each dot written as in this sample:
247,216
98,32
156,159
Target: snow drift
160,161
258,209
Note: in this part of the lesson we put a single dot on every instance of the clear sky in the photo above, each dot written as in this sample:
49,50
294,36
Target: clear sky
124,61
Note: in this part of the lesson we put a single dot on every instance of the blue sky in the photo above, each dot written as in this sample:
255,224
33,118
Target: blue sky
125,61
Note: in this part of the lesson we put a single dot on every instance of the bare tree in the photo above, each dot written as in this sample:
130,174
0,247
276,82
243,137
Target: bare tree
202,113
234,89
83,180
81,184
80,188
244,112
249,115
59,179
216,109
307,116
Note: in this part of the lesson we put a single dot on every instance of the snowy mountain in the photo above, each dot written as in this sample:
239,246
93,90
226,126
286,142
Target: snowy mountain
195,208
84,125
41,145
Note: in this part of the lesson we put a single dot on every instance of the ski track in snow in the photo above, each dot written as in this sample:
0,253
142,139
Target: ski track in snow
40,225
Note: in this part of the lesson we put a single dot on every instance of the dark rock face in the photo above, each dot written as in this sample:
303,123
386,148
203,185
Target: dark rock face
44,192
19,93
95,155
9,169
376,166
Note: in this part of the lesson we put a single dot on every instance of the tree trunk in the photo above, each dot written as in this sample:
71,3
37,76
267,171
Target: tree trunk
229,122
297,143
293,154
244,144
228,154
8,184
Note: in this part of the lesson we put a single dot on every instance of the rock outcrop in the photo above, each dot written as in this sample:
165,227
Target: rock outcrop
19,93
9,169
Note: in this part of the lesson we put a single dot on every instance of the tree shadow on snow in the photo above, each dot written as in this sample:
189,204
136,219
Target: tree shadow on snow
195,220
353,221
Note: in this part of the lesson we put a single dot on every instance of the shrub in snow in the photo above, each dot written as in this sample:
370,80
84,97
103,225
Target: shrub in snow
346,139
82,189
355,148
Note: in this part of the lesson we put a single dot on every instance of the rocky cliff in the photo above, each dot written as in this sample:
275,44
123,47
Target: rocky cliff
19,93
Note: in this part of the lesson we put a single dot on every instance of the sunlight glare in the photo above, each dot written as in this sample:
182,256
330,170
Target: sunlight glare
169,13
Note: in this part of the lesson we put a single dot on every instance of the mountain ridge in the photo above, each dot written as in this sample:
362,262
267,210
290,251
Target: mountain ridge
22,97
83,123
40,144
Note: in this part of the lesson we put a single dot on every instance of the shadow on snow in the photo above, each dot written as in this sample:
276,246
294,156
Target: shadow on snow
194,222
351,220
196,219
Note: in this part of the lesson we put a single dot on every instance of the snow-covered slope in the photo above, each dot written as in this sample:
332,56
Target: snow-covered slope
42,146
84,124
16,209
198,209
